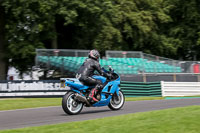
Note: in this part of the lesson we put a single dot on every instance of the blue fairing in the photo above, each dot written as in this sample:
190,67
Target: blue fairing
106,94
75,83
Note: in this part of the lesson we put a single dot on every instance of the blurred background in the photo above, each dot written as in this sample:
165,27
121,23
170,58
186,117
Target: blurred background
163,35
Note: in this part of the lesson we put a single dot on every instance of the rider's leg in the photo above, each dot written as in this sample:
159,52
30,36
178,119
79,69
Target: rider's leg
92,95
94,91
89,81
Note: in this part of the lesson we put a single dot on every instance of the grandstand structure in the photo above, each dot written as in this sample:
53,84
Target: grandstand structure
125,63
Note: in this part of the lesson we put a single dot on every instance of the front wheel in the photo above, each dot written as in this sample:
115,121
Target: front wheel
117,102
71,106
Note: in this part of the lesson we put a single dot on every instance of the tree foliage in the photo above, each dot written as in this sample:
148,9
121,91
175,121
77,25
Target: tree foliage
167,28
185,27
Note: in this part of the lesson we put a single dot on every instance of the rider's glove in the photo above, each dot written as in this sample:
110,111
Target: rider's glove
109,76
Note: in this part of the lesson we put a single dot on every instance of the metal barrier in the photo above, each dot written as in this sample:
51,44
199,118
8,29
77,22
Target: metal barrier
180,88
138,89
170,65
66,61
126,62
124,54
62,52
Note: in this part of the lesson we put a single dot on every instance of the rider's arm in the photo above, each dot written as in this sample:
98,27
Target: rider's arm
100,70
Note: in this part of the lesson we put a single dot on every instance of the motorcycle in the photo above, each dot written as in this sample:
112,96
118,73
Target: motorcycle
111,95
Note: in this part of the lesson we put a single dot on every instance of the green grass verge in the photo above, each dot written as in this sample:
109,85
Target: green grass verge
143,98
21,103
176,120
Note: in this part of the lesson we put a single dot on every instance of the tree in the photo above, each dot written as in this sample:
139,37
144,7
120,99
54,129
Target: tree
3,61
33,24
28,25
185,27
167,28
136,25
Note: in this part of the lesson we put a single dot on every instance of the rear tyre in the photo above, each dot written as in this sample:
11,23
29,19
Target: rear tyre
71,106
117,102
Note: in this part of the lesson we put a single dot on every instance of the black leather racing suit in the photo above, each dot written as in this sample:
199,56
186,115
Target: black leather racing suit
86,71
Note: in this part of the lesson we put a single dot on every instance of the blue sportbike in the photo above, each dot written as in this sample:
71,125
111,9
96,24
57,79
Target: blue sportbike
111,95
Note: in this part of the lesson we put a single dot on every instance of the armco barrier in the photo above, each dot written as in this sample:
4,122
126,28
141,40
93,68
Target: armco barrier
180,88
136,89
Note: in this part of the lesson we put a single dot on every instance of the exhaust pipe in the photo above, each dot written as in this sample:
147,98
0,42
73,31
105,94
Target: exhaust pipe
82,99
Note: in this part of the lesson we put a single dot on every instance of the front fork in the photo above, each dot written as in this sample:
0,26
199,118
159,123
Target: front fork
116,94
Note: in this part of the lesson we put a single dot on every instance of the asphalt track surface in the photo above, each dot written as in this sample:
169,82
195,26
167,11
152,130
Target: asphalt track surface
52,115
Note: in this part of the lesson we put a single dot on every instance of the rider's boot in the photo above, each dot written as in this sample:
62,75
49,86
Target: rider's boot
92,93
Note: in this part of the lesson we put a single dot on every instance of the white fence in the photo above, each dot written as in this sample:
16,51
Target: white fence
180,88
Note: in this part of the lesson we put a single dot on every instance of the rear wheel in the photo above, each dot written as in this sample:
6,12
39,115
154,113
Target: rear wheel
117,101
71,106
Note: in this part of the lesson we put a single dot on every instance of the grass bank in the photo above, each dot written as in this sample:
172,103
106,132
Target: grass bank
21,103
176,120
143,98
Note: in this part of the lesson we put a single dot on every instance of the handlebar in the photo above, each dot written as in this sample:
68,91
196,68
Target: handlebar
110,70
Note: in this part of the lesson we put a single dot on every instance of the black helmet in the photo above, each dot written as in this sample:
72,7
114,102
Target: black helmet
94,54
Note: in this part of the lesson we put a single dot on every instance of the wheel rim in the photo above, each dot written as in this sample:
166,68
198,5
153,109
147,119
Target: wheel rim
117,103
72,105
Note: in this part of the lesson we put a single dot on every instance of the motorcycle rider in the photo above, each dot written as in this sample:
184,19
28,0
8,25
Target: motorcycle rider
86,71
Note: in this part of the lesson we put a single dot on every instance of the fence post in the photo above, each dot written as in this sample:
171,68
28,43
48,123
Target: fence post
144,78
62,67
162,88
174,77
198,78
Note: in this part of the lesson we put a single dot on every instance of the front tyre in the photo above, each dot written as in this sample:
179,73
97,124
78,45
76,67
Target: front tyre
117,102
71,106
